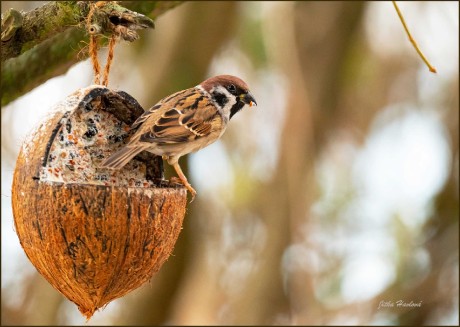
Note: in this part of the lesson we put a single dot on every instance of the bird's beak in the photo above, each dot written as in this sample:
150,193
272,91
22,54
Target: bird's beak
248,99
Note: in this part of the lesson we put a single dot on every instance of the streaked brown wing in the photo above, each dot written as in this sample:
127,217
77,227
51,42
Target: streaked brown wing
187,116
160,104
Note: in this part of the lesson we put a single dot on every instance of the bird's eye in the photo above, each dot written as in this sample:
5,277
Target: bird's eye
231,88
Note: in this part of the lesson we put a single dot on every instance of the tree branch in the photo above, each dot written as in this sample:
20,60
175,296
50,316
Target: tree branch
49,59
412,40
48,41
41,24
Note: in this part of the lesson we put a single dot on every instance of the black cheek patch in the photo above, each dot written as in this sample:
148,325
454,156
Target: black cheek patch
220,98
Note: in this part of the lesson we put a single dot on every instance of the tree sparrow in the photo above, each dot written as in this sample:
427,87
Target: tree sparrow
185,122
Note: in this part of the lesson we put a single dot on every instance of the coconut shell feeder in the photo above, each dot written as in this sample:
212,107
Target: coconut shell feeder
94,234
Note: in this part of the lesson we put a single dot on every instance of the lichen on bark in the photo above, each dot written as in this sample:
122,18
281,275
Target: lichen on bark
48,42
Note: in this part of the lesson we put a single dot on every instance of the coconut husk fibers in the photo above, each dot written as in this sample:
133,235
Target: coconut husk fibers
94,235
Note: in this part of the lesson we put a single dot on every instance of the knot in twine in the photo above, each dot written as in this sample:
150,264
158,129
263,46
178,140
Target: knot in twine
94,29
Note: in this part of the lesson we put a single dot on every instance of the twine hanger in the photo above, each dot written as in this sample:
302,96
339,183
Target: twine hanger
94,30
109,19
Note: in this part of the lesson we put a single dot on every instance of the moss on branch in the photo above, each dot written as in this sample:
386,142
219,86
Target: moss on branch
41,24
49,59
45,42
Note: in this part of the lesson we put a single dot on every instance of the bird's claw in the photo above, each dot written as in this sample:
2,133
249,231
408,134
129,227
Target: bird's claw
187,186
192,192
190,189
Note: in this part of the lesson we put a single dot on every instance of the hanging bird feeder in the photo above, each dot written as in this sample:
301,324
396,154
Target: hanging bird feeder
94,234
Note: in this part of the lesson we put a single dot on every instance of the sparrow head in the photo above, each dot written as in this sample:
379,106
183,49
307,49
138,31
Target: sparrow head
230,93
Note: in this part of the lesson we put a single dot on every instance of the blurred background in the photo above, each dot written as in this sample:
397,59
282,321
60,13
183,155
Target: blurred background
335,201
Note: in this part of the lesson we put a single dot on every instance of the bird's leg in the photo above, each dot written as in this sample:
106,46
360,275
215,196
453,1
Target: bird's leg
184,180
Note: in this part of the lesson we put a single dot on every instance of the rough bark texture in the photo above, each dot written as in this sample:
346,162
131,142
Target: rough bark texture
93,243
47,41
51,58
41,24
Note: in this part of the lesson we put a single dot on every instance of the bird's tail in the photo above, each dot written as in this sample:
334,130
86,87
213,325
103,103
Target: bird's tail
120,158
